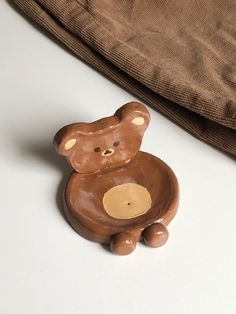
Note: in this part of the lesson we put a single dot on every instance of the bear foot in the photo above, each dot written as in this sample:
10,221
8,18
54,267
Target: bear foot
155,235
122,243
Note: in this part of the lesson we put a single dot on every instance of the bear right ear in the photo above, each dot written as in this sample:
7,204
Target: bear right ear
66,139
134,113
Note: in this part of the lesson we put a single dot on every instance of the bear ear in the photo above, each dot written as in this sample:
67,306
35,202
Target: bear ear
66,139
134,113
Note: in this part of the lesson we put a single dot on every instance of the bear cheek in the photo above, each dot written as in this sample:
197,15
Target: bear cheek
133,147
78,161
125,152
87,162
74,163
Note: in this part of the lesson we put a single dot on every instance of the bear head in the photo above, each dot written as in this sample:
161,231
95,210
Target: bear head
105,143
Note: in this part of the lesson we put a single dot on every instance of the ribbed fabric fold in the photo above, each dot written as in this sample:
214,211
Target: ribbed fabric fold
178,56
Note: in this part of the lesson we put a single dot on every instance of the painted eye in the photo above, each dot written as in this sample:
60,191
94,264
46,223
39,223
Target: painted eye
97,149
117,143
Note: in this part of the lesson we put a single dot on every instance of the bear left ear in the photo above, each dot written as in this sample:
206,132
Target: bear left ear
66,139
134,113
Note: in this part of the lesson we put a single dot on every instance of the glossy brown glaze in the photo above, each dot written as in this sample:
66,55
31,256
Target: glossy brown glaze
117,194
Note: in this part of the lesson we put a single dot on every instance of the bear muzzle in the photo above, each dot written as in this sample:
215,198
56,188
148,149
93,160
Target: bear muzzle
108,152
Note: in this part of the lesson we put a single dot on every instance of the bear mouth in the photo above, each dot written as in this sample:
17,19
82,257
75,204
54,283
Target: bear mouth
108,152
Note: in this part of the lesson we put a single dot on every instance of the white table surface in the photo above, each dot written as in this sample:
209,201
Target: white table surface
45,267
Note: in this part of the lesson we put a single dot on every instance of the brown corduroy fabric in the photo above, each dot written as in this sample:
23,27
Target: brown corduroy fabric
178,56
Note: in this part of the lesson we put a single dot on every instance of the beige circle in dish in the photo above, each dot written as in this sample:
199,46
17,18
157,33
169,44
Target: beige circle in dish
126,201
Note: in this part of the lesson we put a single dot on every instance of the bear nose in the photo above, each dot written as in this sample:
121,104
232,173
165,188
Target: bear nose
108,152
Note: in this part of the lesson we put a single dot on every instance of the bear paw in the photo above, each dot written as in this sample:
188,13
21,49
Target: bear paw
155,235
123,243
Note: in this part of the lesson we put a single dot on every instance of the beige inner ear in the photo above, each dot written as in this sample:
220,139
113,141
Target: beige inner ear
138,121
69,144
126,201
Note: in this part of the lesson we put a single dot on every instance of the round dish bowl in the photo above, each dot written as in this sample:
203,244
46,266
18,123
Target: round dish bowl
126,199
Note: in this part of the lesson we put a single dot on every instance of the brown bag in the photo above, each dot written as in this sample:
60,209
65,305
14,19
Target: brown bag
178,56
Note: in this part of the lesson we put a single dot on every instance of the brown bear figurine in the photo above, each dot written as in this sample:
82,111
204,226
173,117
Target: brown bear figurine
116,193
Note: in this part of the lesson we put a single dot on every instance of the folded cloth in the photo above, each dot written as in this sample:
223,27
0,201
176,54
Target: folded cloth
179,56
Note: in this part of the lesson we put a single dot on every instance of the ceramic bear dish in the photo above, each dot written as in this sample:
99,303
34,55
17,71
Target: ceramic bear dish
117,195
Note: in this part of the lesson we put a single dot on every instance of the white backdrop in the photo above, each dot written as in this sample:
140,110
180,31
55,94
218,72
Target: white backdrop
45,267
